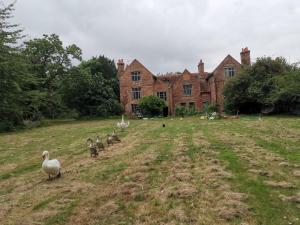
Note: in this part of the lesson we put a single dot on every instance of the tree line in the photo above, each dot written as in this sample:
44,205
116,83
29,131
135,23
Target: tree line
39,79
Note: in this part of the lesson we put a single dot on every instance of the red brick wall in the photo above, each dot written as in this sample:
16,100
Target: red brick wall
178,94
126,84
203,90
218,80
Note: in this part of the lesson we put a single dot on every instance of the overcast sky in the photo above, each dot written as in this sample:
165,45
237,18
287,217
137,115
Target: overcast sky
168,35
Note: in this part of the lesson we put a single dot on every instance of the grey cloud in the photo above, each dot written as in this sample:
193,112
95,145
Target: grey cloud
168,35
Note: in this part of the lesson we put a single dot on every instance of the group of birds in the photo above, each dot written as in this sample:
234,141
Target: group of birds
99,145
52,167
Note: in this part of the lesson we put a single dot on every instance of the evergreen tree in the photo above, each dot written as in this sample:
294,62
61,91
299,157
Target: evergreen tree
12,70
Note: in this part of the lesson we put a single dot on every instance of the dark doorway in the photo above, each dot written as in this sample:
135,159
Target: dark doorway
165,111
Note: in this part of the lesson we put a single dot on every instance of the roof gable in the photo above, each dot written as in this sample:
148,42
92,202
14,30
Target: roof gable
228,57
136,63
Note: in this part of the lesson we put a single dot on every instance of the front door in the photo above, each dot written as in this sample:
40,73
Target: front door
165,111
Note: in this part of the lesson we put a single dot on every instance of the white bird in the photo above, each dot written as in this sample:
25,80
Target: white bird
51,167
123,125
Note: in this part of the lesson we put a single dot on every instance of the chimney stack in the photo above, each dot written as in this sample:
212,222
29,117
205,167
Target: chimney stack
201,68
121,67
245,57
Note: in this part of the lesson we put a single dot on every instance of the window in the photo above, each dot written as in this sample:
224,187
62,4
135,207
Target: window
183,104
162,95
136,76
192,105
187,89
229,71
136,93
135,108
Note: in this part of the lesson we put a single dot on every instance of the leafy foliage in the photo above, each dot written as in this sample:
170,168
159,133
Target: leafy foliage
39,80
92,88
259,86
11,72
152,105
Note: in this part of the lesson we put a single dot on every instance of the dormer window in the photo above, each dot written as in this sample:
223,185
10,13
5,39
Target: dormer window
136,76
229,71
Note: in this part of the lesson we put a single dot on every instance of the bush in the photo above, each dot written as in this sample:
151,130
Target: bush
210,108
184,111
152,105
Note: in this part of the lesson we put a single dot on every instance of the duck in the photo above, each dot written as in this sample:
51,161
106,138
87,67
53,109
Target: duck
123,125
51,167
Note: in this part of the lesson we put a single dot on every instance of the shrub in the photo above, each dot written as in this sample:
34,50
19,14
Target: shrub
152,105
210,108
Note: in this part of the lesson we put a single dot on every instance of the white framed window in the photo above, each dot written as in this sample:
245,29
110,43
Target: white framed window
162,95
187,89
136,93
136,76
229,71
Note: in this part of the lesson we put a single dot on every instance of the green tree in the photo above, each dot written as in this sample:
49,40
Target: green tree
286,94
249,91
152,105
92,88
12,71
50,62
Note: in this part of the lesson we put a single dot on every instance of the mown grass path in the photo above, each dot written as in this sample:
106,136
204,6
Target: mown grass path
190,172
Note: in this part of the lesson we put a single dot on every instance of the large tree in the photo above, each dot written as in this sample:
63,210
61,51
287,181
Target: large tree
12,71
253,90
50,62
92,88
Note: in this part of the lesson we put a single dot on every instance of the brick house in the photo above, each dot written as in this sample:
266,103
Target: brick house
177,89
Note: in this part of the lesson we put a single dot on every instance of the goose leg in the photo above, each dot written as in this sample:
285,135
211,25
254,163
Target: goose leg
59,174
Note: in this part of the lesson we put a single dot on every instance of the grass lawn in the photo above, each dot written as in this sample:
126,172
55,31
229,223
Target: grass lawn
192,171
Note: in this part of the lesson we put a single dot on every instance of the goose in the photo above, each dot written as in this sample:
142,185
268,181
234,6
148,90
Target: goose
99,144
93,148
115,137
109,140
123,125
51,167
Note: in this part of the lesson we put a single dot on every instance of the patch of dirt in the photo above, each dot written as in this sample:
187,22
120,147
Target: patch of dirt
130,189
178,213
293,198
280,184
261,172
296,173
181,191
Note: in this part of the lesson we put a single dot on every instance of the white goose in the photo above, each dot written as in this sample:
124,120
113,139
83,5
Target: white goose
51,167
123,125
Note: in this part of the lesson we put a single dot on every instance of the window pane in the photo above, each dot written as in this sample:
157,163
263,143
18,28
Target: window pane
136,76
136,93
162,95
187,89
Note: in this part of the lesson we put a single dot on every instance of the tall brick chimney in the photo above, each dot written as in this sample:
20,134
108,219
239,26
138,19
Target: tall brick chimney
121,67
245,57
201,68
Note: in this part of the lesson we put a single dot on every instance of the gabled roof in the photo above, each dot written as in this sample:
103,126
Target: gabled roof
226,58
139,63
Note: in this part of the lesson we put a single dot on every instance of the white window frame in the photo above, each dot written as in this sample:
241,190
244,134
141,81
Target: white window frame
188,90
229,71
162,95
136,76
136,93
